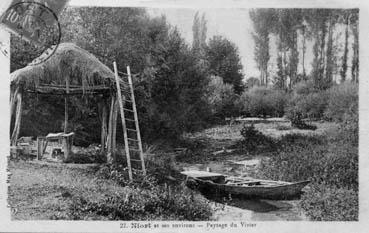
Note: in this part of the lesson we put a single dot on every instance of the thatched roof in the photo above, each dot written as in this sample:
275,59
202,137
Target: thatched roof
68,63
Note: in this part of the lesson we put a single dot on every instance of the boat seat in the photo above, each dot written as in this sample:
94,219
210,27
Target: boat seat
249,183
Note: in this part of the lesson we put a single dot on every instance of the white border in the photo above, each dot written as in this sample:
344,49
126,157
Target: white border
279,226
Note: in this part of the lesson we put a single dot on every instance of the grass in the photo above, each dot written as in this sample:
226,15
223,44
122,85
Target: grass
326,156
332,166
85,192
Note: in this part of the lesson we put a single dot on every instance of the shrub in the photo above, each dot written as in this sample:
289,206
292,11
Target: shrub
262,101
311,105
254,139
309,158
221,98
304,88
160,202
341,99
324,203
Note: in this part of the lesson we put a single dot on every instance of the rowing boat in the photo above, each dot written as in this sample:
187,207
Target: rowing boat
247,187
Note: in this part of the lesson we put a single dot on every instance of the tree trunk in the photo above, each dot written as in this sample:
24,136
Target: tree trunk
345,52
329,55
355,57
303,53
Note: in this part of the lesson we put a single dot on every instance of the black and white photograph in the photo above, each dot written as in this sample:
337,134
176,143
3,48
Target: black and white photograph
182,117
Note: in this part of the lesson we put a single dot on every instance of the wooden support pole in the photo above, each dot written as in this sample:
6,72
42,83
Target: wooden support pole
18,119
66,114
13,102
111,126
66,100
39,149
104,115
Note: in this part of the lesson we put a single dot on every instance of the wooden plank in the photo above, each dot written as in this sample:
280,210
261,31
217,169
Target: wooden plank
136,120
202,174
123,121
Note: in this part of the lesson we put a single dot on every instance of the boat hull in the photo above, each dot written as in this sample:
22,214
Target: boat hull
282,191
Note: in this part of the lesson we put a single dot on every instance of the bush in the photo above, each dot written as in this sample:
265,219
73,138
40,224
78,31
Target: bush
304,88
309,158
253,139
221,98
141,204
310,106
331,165
324,203
262,101
341,99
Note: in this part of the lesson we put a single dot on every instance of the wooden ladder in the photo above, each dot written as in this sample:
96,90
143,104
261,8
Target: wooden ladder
131,129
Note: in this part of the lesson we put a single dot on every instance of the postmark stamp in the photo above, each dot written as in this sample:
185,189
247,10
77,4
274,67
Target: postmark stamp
36,24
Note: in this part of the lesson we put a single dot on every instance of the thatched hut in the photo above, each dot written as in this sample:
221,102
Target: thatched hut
69,71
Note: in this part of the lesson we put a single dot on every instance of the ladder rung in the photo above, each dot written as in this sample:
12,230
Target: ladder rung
128,119
122,81
133,130
127,100
131,139
129,110
134,149
125,91
136,160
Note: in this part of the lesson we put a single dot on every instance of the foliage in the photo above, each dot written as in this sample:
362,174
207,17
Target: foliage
251,82
90,193
199,30
224,61
169,82
323,203
221,98
342,99
262,101
253,139
335,165
141,204
262,19
308,106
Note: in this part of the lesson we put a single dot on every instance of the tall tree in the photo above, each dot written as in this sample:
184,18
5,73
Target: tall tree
262,21
289,20
224,61
318,20
355,46
199,30
346,16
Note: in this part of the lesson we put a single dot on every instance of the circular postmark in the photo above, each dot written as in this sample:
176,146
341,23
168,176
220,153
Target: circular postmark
36,32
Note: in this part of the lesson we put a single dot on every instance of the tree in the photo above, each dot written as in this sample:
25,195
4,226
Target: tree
224,61
169,84
355,46
251,82
199,31
345,52
262,21
286,28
